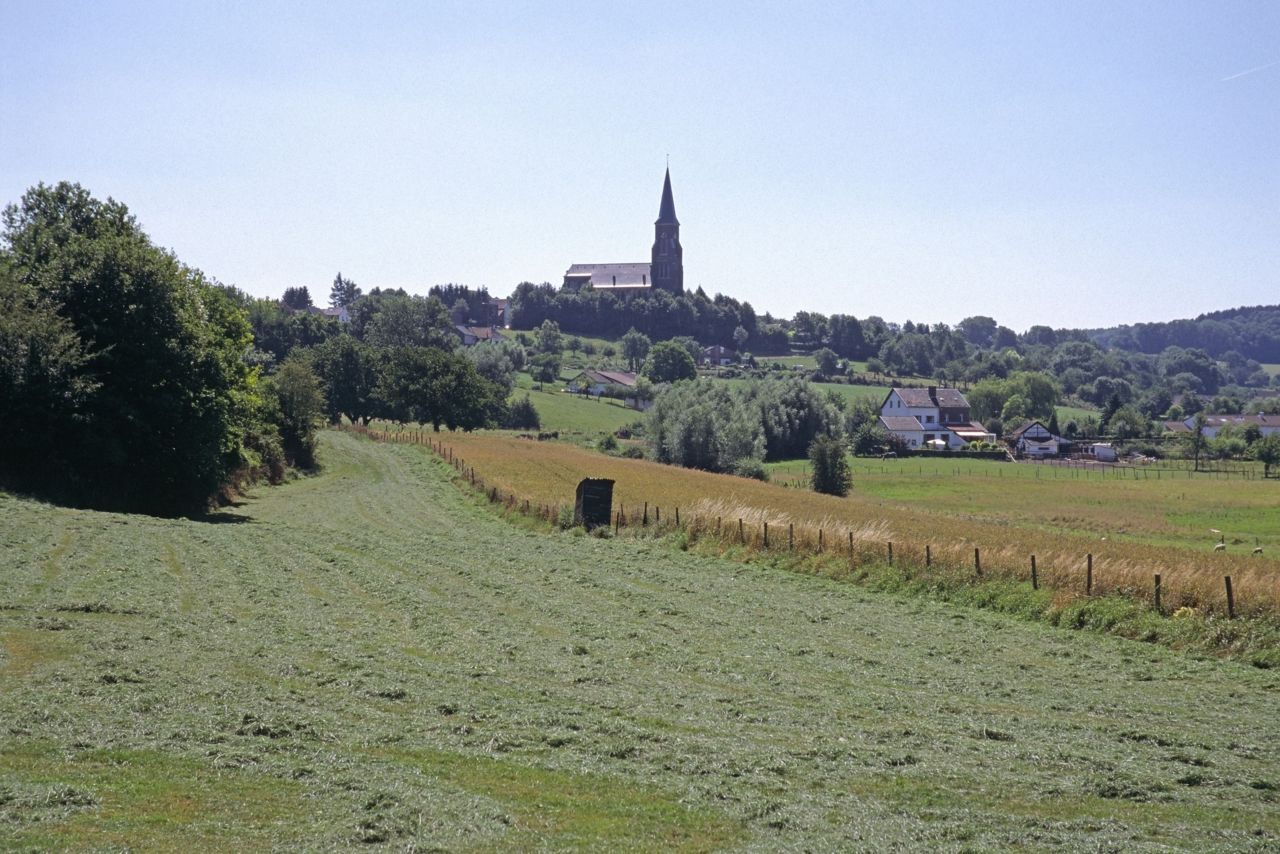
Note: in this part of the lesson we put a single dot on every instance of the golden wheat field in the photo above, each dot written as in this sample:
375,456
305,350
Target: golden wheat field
953,535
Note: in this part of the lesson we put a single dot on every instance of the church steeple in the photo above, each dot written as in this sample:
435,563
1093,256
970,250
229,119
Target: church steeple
667,268
667,210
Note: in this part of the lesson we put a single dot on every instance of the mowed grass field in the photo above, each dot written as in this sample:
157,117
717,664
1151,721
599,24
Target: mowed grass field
1133,528
368,656
573,414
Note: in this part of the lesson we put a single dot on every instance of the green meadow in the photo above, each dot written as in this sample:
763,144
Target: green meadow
371,656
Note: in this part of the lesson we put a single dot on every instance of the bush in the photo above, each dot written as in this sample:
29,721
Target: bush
830,466
522,415
608,444
752,468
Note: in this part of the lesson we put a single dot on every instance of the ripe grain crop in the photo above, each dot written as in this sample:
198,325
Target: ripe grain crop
952,527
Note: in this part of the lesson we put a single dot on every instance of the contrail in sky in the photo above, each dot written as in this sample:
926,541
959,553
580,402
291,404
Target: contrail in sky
1250,71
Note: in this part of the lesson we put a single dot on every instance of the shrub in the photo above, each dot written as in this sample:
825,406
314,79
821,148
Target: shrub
830,466
522,415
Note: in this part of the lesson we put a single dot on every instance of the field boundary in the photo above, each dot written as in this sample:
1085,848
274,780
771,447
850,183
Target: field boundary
1079,595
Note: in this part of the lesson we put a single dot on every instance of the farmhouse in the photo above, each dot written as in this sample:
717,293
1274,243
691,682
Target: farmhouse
1214,424
608,383
1035,440
471,335
717,355
931,418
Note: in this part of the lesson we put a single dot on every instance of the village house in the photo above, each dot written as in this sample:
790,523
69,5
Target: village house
931,417
1213,424
717,355
1035,440
606,383
472,335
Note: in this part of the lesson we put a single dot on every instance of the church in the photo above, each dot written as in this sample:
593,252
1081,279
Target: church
664,271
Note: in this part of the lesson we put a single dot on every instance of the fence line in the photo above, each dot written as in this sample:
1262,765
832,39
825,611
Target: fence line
1087,579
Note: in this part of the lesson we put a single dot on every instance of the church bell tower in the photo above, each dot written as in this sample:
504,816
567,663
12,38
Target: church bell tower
667,268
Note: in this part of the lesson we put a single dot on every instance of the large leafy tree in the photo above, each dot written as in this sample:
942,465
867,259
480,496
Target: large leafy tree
669,362
635,347
152,350
430,386
392,319
298,299
348,372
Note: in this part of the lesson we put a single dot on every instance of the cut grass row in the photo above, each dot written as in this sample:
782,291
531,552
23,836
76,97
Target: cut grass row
368,655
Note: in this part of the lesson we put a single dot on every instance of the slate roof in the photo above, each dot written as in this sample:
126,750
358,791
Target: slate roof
948,398
901,423
605,276
667,210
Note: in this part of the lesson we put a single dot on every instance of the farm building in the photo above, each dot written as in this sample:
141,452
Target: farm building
931,418
608,383
717,355
472,335
1035,440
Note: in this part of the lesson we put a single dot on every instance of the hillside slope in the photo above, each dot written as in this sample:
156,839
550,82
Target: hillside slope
366,655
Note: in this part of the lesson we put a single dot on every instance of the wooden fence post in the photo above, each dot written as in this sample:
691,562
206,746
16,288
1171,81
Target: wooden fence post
820,547
1231,599
677,517
928,556
646,514
1088,577
766,535
791,535
977,562
1035,581
657,515
742,537
890,554
1158,591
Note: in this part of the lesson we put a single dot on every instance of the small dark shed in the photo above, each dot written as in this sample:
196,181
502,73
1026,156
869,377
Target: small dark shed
593,505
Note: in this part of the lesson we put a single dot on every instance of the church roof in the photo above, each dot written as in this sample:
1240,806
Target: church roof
667,210
605,276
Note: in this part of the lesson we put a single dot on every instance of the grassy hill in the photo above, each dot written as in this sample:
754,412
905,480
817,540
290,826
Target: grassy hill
367,655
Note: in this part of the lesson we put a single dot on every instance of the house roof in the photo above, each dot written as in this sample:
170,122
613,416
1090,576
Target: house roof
1017,434
623,378
480,333
1219,421
947,398
901,423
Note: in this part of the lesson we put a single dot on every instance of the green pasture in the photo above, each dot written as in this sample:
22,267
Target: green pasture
1164,504
1077,414
368,656
573,413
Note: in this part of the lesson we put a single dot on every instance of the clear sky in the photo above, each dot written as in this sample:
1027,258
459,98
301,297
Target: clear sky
1071,164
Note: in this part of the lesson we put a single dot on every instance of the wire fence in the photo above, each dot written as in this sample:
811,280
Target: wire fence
1066,576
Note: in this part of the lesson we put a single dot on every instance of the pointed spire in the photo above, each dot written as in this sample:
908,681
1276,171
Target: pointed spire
667,210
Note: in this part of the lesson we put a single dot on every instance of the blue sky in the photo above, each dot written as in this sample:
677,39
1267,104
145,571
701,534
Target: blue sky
1076,164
